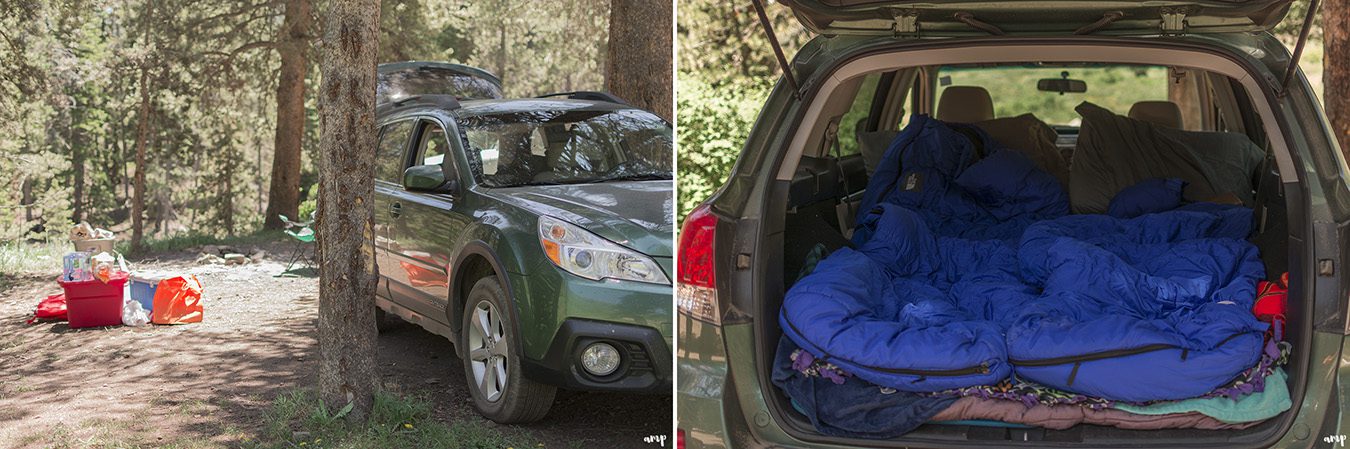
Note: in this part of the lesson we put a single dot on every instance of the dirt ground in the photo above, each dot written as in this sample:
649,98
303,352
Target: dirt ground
212,381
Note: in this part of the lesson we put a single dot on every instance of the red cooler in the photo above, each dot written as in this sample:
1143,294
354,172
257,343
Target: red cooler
94,303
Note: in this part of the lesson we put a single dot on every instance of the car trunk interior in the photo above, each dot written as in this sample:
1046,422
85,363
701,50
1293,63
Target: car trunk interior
817,209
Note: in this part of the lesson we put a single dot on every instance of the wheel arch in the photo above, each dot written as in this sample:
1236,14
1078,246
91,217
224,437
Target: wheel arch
475,261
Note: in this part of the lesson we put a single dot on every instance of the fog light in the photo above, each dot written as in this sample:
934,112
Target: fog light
600,359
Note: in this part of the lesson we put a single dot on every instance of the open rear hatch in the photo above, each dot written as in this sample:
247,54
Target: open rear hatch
958,18
964,17
400,80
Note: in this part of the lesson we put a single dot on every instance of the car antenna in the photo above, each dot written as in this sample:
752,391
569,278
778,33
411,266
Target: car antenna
401,101
777,49
1298,48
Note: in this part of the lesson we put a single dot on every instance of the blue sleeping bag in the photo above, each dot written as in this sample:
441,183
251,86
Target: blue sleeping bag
962,182
1151,308
886,313
968,268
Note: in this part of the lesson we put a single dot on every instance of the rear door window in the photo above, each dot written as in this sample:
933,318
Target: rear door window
390,161
857,115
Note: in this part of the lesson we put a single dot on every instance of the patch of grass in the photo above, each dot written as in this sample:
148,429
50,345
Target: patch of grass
109,433
28,258
10,389
195,407
10,343
299,419
179,242
32,258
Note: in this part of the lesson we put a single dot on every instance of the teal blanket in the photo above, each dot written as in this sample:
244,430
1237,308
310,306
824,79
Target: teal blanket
1254,407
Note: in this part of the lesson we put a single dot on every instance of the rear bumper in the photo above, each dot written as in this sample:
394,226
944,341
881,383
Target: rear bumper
703,387
721,410
644,367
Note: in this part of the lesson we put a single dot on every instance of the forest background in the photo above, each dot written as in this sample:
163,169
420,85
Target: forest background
199,84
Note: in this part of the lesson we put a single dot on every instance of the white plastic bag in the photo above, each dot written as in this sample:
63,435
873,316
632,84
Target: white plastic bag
133,314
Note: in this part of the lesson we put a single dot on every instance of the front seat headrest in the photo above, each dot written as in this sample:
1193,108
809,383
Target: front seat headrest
1161,113
965,104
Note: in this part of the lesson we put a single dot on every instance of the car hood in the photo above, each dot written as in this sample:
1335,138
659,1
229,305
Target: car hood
636,214
952,17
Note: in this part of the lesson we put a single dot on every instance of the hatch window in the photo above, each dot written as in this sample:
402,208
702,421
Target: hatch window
1017,90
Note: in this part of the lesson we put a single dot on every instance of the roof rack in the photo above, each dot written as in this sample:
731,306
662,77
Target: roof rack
589,95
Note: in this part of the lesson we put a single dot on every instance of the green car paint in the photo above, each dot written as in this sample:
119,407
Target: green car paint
433,245
721,383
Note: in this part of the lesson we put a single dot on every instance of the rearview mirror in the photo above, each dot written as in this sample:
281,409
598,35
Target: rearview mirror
428,178
1061,85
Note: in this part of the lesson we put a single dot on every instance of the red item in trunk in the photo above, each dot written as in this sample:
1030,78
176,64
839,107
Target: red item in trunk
95,303
1272,300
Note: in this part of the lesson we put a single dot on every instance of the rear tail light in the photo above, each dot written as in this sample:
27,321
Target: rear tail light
679,439
696,289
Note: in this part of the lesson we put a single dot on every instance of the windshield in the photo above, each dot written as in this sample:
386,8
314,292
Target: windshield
1014,88
405,83
567,147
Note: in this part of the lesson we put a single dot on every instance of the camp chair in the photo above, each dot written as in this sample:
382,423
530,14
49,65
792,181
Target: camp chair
303,234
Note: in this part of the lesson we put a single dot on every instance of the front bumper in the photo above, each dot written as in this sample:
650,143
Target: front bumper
644,367
562,313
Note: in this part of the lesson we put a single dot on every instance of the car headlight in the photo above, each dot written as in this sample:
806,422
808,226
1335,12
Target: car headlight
590,256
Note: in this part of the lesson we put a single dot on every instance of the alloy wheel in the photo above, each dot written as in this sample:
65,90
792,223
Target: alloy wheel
488,350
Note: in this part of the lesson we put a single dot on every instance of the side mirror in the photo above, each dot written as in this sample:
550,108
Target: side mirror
428,178
1061,85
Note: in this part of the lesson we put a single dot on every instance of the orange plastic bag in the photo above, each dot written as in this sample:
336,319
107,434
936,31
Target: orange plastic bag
178,300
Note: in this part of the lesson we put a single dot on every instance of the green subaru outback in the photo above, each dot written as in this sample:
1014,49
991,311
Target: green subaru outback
1209,67
535,235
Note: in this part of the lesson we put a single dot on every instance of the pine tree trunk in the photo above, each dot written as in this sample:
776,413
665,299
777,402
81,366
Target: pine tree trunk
638,66
1336,66
26,192
138,182
501,49
284,193
77,160
346,218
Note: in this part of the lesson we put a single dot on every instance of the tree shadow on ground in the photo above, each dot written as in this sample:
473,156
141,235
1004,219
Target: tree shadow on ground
166,384
161,385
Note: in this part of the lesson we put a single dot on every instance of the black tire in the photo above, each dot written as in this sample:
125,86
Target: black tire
519,400
383,320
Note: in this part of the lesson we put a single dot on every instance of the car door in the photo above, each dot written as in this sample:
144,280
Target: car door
427,227
391,158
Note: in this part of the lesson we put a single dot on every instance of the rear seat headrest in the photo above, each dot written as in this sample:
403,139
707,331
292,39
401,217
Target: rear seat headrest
965,104
1162,113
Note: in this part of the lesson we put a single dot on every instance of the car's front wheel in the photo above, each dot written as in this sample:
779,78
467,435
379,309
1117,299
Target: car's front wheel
492,365
383,321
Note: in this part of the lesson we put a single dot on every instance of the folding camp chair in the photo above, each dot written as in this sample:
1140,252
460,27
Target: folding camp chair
303,234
